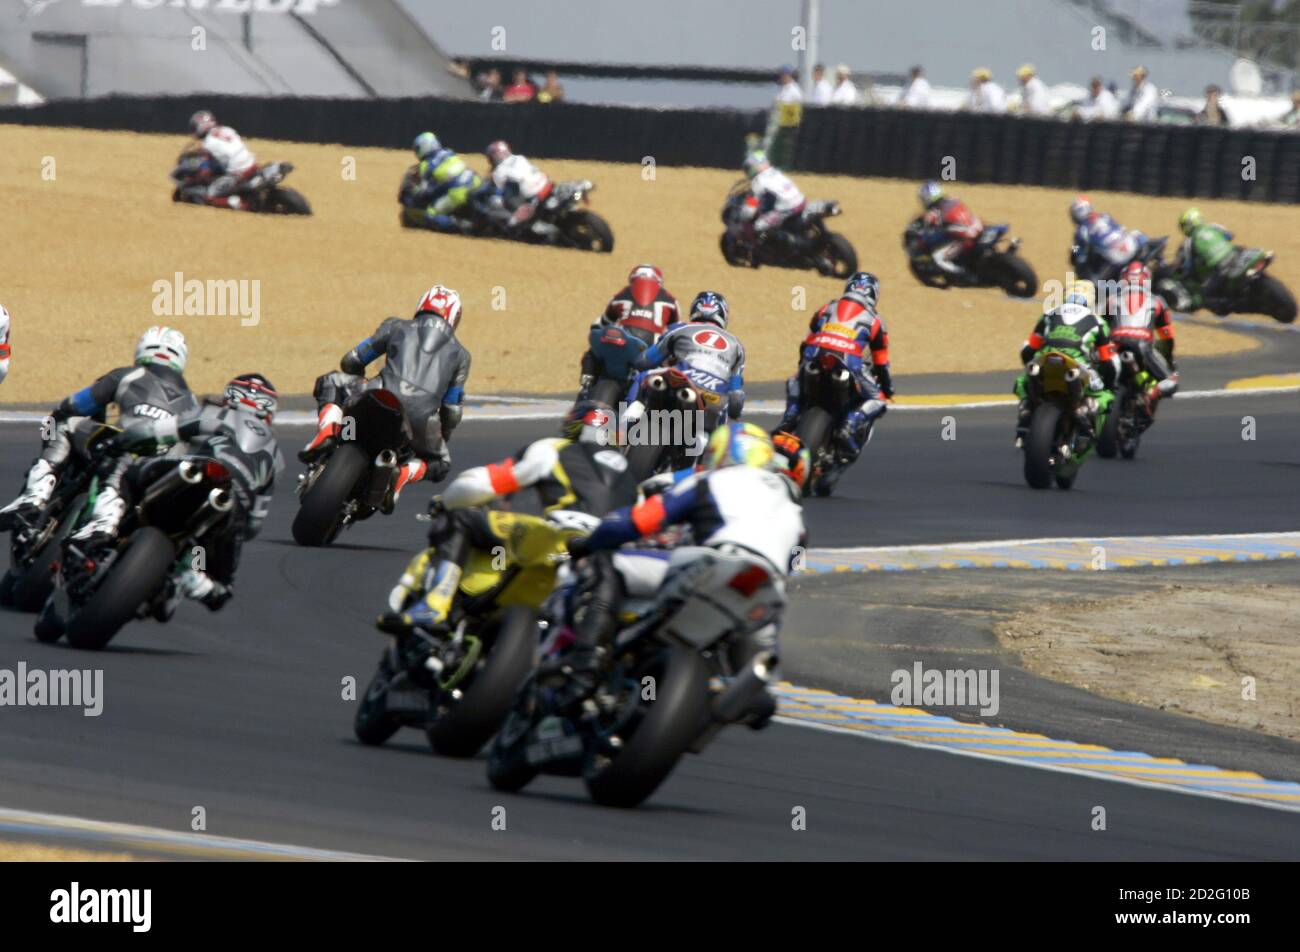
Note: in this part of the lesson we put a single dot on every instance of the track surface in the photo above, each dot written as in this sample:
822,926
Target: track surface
241,713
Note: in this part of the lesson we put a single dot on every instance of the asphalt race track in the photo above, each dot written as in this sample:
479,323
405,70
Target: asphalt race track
241,713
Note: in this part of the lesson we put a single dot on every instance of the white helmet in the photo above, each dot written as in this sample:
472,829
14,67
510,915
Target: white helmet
164,346
443,302
1080,209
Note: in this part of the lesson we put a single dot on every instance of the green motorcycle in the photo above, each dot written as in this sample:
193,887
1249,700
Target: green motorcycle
1056,386
1248,289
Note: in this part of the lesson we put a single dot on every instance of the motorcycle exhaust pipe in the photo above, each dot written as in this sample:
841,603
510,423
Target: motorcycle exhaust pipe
190,471
221,500
686,395
658,382
1072,374
735,700
380,479
186,473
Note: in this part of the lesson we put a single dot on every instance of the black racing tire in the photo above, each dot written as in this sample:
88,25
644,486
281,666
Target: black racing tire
1108,442
588,231
1040,444
1065,482
844,260
508,769
813,430
32,587
1270,296
1014,275
373,724
606,390
7,589
643,460
470,724
287,201
139,572
321,510
669,725
48,627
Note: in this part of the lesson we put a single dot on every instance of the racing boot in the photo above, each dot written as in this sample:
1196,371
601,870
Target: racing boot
432,610
328,426
790,418
412,471
203,588
41,480
105,516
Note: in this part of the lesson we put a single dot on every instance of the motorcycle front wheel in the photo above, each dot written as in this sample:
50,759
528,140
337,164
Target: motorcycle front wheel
588,231
287,201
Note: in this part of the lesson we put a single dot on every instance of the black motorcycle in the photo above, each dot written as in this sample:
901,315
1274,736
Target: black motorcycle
825,389
990,264
678,675
562,218
34,547
1128,418
355,477
804,243
660,441
183,504
263,191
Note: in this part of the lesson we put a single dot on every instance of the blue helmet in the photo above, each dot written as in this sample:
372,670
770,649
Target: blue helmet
709,306
929,193
425,145
866,285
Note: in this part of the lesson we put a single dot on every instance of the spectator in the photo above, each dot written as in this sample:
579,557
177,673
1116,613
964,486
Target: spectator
916,94
822,90
458,67
1212,113
1143,101
1100,104
845,94
520,89
1291,118
489,84
552,91
986,95
789,90
1033,92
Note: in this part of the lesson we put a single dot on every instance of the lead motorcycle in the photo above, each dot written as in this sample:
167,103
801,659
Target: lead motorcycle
263,191
563,219
680,672
184,503
812,245
1054,448
34,547
1248,289
354,479
989,264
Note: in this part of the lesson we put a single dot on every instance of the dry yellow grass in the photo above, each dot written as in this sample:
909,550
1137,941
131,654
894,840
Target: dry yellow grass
83,250
39,853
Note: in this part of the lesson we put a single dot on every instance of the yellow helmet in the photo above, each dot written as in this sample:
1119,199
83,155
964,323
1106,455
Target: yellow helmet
1082,292
740,444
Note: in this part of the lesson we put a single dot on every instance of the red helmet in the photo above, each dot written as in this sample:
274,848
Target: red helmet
443,302
645,282
497,152
201,123
1137,274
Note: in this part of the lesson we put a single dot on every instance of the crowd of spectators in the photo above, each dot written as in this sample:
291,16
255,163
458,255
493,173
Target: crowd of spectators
490,86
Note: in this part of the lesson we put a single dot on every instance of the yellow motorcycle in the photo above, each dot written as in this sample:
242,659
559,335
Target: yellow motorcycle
1056,385
456,682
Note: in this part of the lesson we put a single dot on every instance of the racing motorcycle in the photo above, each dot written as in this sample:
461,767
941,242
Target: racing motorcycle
1054,448
669,395
615,351
1095,268
989,264
456,682
1247,290
1128,418
34,548
260,192
562,219
678,674
811,244
354,479
185,503
825,389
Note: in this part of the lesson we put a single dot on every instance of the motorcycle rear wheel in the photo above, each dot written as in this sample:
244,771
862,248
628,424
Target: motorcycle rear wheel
1270,296
1108,442
668,726
137,575
319,515
1041,444
813,430
1014,275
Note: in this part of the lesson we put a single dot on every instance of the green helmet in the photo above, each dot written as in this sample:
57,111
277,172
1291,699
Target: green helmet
1190,220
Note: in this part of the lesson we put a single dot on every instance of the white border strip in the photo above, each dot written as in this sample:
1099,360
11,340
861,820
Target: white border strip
1002,543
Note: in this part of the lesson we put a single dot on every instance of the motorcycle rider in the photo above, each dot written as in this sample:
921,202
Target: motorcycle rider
236,432
644,309
578,476
4,343
154,388
1098,235
1076,330
745,501
950,228
853,316
232,161
712,357
1139,318
522,185
446,183
426,368
1204,257
773,202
